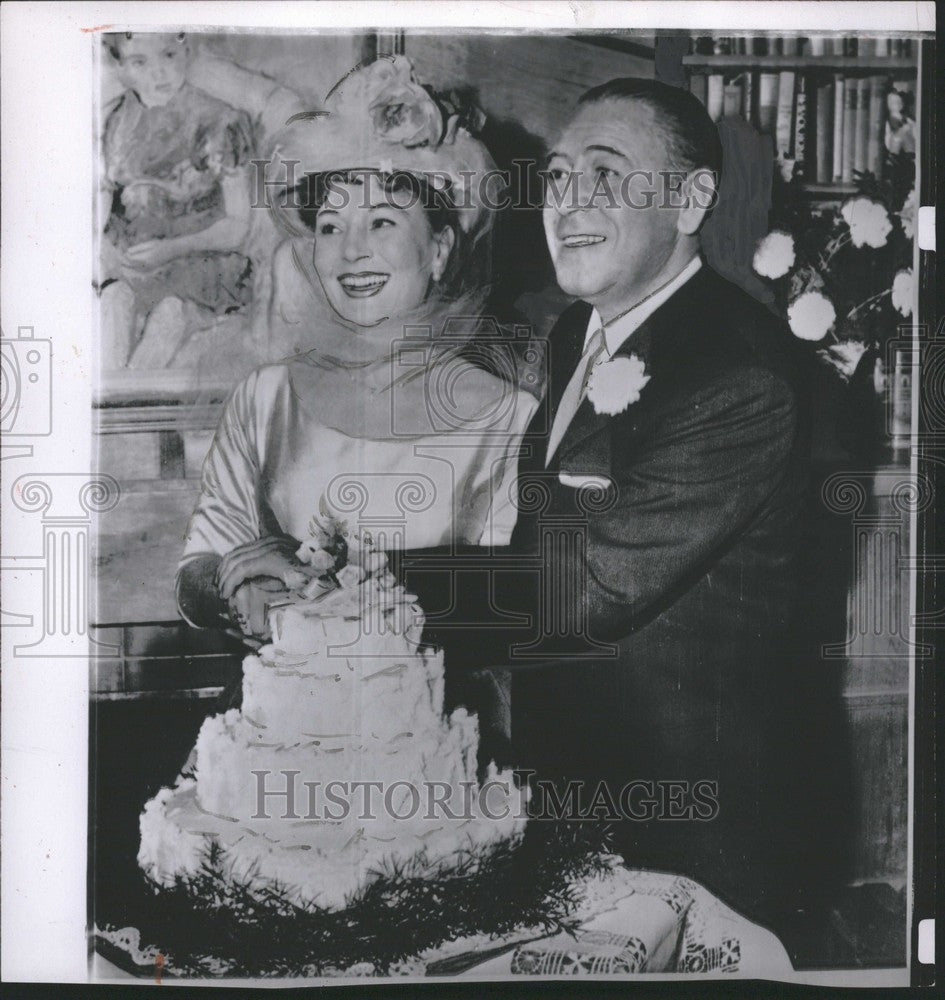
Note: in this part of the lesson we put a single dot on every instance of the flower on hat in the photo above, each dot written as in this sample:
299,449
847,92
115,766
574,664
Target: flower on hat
868,221
903,291
811,316
775,255
615,384
402,111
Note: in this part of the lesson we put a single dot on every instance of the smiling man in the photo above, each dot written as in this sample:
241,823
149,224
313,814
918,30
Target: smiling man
660,489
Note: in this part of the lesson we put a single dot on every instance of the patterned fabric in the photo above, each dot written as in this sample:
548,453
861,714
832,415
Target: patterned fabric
597,953
633,922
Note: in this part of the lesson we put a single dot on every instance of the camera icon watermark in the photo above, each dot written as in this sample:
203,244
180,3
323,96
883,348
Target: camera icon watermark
451,362
25,385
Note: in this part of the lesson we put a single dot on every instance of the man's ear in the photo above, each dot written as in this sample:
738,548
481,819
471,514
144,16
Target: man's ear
700,191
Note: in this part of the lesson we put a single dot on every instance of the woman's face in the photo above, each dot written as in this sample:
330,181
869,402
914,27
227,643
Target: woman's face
153,66
375,251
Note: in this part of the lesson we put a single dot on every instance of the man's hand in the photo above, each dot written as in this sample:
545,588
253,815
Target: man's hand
272,557
249,605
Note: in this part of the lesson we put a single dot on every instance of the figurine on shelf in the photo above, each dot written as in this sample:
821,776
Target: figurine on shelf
900,128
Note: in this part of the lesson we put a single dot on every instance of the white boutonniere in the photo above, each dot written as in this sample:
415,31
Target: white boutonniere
615,384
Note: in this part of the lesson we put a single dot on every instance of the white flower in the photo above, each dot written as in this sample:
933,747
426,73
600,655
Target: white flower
868,221
903,291
845,356
907,215
615,384
312,554
775,255
811,316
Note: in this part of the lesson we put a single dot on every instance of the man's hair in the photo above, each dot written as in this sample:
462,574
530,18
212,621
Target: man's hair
691,137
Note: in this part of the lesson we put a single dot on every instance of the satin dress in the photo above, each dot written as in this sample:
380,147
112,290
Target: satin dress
274,466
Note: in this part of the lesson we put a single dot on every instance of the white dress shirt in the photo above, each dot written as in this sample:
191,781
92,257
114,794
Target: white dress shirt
615,335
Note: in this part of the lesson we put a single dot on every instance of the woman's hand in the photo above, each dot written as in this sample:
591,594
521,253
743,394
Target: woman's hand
271,557
249,605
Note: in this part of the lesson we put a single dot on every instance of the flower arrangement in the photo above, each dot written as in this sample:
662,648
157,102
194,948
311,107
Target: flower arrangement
842,276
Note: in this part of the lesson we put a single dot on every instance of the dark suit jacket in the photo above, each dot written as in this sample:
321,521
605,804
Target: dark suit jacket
659,609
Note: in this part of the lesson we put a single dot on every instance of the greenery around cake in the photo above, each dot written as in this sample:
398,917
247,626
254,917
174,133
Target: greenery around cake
212,924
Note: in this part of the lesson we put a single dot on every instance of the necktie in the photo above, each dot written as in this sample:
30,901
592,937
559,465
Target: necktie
574,392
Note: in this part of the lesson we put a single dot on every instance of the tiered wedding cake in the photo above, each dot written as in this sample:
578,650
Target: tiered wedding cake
340,765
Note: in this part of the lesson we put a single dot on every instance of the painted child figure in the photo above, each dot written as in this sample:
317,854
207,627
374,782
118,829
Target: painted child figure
176,202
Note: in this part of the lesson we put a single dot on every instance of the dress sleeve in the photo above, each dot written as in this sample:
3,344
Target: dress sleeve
227,513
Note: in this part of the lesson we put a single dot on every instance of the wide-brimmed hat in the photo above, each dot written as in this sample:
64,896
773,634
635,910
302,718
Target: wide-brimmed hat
381,118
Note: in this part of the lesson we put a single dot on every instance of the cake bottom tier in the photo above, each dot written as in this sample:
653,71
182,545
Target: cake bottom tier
323,862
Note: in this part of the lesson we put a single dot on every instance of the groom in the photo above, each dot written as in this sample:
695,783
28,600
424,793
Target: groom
645,606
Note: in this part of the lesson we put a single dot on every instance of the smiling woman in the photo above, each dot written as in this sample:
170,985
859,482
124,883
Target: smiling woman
388,412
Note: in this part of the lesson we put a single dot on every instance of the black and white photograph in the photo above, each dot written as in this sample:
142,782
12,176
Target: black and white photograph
506,539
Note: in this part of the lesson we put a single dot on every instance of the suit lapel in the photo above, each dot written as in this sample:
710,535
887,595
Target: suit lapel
649,342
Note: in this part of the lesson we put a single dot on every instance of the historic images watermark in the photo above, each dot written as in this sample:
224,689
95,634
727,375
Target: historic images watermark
495,190
640,800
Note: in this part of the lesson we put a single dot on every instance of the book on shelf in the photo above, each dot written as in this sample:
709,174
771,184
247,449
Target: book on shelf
783,128
767,101
823,133
877,116
715,95
721,45
799,143
748,97
732,98
839,107
862,124
851,95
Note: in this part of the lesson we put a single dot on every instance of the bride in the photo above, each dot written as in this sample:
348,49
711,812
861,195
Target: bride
395,414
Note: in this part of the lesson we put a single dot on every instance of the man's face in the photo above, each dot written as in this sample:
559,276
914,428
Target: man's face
604,249
153,66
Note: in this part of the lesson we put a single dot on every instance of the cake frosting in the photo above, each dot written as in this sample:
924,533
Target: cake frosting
340,765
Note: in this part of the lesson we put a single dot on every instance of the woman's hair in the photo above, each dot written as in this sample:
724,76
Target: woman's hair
312,192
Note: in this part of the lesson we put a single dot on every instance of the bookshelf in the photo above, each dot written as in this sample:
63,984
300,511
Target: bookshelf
833,106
